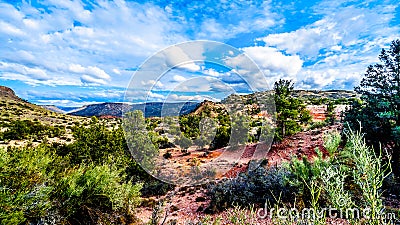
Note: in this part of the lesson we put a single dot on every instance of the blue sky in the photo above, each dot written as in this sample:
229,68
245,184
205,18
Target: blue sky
71,53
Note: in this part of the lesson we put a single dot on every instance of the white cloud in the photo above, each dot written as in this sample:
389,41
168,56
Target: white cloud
340,28
33,72
306,41
179,78
86,79
65,102
339,46
76,68
212,72
175,97
154,83
239,17
271,59
91,74
177,57
97,72
11,30
93,45
116,71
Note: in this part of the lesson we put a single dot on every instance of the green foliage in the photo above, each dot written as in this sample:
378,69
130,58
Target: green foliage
317,124
96,186
291,112
304,175
368,173
37,185
140,145
183,142
334,183
189,125
25,129
208,130
332,141
158,140
222,136
317,101
254,186
95,143
379,111
347,179
239,129
24,183
330,113
152,123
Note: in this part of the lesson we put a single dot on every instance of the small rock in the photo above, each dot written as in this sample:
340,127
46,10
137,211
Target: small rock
200,199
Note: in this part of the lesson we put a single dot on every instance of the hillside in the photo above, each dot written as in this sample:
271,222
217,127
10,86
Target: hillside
330,94
13,108
151,109
305,94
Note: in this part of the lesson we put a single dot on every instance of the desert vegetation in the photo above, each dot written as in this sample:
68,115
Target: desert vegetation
348,173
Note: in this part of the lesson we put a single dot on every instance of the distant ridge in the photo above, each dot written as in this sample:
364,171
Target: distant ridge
101,109
331,94
157,109
53,108
151,109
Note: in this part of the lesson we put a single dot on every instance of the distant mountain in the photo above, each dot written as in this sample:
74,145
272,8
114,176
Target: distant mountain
67,109
102,109
330,94
151,109
53,108
157,109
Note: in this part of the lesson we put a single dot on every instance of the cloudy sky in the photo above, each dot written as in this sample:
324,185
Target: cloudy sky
70,53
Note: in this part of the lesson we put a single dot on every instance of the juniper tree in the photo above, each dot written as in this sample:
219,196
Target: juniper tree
291,111
379,110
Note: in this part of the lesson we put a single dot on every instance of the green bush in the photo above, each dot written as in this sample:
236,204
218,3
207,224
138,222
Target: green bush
251,187
351,178
96,186
24,129
368,173
304,175
25,183
95,143
317,125
332,141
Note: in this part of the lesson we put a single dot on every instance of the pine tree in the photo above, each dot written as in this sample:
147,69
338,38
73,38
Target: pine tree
291,111
379,111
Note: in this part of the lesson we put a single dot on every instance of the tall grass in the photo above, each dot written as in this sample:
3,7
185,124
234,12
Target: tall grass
368,172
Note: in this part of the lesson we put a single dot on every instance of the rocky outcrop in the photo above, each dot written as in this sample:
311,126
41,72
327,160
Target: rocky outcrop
8,93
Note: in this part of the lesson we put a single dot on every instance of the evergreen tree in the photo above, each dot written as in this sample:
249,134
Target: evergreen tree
291,111
140,145
184,143
330,113
379,110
